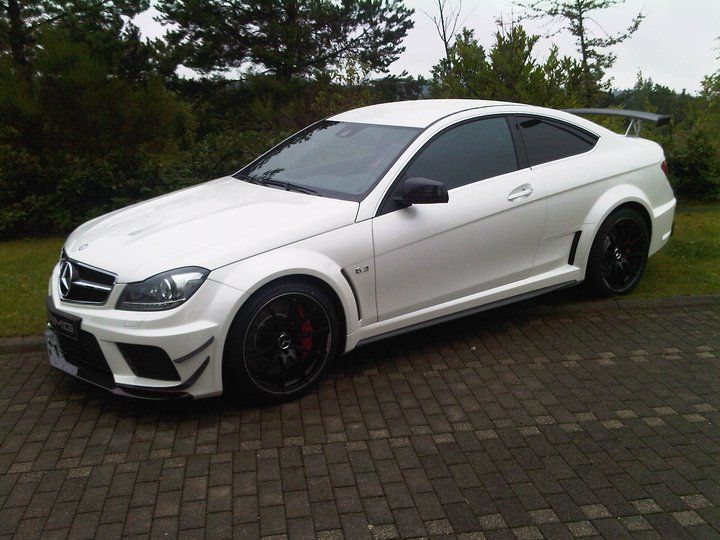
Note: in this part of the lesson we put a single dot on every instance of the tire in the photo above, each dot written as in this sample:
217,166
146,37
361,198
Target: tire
281,342
618,255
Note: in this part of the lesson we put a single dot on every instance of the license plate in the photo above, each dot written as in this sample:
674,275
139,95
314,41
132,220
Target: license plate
57,358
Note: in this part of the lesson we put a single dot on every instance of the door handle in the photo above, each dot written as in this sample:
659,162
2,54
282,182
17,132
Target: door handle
518,193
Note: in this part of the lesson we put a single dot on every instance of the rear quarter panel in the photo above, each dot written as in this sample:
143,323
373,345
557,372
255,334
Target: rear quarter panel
584,189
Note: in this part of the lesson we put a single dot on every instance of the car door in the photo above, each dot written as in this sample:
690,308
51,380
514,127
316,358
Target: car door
484,237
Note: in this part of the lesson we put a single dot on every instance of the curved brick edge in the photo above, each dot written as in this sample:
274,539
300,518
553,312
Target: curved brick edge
36,343
622,304
22,344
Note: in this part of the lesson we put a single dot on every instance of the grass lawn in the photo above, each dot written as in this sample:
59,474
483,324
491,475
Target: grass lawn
24,274
689,264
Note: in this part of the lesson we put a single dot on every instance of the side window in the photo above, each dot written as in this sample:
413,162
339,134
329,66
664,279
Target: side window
548,141
467,153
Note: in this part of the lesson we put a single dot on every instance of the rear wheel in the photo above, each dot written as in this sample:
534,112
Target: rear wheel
619,254
281,342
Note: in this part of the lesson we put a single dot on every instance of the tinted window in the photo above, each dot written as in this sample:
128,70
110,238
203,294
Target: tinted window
341,159
467,153
548,141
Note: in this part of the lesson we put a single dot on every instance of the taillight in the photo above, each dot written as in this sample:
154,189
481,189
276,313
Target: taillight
664,167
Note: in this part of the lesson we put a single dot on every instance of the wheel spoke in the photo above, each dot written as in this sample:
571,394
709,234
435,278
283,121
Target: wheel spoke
624,248
634,241
314,332
275,334
622,274
293,312
261,352
282,372
275,318
298,366
266,367
308,315
261,333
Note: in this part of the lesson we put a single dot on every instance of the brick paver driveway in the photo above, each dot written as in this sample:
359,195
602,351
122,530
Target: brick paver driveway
514,423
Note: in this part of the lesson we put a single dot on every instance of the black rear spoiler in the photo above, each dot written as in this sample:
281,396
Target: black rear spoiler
636,117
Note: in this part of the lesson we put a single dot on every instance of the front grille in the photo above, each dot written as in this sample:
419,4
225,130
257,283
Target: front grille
84,284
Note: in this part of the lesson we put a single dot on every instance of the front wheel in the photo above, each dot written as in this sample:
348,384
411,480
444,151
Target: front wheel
619,254
281,342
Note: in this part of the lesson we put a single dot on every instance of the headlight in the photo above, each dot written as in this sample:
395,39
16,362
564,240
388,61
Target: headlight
163,291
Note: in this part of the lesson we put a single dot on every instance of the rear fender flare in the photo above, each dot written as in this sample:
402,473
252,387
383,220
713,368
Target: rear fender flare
606,204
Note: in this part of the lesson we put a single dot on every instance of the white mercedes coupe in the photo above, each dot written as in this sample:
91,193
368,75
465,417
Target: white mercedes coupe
370,223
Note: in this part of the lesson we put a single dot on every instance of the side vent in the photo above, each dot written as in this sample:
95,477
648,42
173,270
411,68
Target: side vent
352,288
573,247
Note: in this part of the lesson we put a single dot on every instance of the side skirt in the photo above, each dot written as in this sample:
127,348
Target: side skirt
466,312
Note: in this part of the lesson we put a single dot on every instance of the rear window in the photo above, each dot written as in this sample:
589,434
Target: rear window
548,141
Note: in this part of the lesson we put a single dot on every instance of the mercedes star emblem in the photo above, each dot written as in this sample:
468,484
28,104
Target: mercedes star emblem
66,278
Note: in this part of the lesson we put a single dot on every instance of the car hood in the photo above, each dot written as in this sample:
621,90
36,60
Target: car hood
208,225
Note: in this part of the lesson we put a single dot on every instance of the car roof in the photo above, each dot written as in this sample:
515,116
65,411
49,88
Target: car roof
418,113
422,113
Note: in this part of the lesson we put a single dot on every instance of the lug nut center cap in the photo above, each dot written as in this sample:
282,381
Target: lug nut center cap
284,341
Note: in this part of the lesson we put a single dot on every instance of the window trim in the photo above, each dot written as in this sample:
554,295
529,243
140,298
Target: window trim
385,208
555,123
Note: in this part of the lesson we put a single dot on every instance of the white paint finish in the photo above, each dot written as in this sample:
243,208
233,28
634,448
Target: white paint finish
323,257
178,331
662,227
423,262
370,204
429,254
556,277
209,225
419,113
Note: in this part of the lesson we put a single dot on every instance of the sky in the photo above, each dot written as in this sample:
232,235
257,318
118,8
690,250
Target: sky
676,45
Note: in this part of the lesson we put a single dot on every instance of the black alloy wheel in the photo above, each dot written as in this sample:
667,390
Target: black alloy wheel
619,253
282,341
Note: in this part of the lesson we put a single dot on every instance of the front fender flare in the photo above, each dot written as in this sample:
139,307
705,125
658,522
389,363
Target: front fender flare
251,274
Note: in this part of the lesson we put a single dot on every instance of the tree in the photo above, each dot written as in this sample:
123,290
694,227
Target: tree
446,22
696,146
289,38
16,19
465,72
103,25
579,18
85,122
80,140
509,71
516,72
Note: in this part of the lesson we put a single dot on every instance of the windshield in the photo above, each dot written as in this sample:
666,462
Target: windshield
337,159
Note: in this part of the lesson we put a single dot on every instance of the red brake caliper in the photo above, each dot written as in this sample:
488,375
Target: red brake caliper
306,328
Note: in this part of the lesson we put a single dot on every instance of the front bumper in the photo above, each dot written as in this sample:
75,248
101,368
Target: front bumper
154,355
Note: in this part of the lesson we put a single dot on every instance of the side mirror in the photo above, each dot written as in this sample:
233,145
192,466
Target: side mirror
422,191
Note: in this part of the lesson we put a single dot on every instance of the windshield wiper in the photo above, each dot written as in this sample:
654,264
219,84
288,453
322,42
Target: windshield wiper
287,186
246,178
